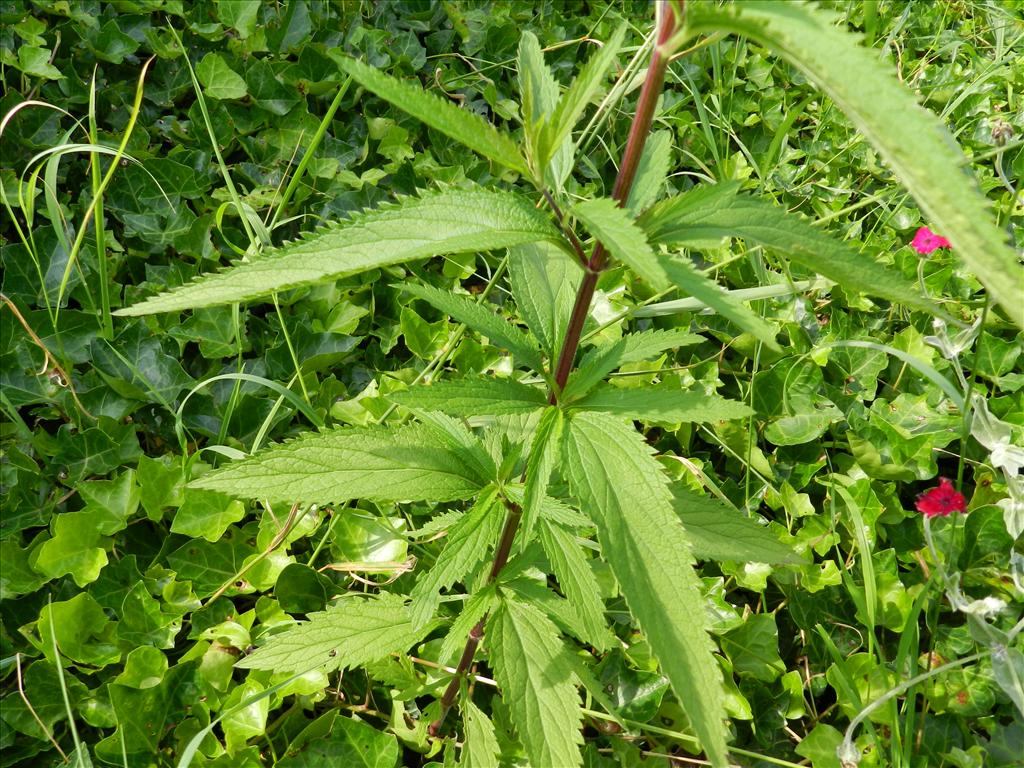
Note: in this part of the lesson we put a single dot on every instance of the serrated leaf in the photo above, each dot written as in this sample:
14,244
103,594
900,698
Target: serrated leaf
538,91
544,452
544,284
467,544
379,464
912,140
456,437
634,348
767,224
686,276
475,608
536,684
495,328
651,173
473,397
354,631
584,88
440,114
480,747
623,239
577,581
718,532
619,484
664,404
452,221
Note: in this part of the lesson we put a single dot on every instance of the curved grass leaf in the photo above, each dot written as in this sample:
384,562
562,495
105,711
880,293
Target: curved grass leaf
378,464
537,684
453,221
352,632
620,485
480,319
912,140
662,404
440,114
677,221
625,241
473,397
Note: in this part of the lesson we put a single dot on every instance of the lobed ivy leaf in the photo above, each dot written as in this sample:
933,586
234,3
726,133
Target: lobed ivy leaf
435,223
380,464
352,632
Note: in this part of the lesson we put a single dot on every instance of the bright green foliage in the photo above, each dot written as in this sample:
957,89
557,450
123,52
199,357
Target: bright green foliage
467,311
575,100
349,633
466,546
717,531
343,464
480,748
622,487
678,221
440,114
543,457
663,404
911,139
544,282
651,173
537,683
539,97
625,241
576,580
455,221
473,397
634,348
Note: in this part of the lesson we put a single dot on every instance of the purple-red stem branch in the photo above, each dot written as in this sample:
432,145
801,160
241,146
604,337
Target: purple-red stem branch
638,133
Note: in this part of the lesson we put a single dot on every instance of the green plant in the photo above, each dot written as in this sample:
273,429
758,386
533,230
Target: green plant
538,457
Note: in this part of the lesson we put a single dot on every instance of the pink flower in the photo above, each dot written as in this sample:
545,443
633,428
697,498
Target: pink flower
941,501
926,241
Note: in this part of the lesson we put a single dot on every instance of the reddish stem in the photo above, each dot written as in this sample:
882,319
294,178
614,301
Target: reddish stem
638,133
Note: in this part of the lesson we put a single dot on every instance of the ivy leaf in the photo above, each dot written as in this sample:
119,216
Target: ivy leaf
662,404
352,632
440,114
206,514
76,549
379,464
453,221
473,397
537,683
625,241
219,80
611,470
913,141
468,542
468,311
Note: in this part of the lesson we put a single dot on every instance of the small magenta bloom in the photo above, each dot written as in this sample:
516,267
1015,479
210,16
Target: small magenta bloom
926,241
941,501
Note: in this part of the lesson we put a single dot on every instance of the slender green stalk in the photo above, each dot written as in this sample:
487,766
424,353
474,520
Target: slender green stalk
106,320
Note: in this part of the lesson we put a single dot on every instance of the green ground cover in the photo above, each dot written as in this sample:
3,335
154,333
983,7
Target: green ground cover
128,596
